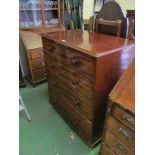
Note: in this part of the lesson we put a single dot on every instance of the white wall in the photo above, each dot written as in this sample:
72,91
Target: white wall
87,8
126,5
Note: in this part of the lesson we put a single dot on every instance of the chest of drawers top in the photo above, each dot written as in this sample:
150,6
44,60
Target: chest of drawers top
89,43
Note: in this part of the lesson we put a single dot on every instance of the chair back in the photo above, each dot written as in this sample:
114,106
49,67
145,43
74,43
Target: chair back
109,27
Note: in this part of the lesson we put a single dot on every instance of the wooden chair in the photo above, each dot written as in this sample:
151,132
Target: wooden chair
114,27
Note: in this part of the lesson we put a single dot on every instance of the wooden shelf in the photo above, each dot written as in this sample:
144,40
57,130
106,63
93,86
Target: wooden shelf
43,11
37,9
51,9
30,27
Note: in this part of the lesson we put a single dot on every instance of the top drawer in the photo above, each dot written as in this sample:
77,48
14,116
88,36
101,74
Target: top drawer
35,53
70,57
124,116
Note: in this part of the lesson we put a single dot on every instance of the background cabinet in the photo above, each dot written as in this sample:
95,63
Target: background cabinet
33,56
39,14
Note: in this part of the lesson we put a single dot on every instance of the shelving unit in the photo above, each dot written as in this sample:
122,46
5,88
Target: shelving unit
39,14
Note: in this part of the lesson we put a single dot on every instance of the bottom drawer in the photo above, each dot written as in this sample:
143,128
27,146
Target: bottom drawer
116,144
105,150
38,74
75,119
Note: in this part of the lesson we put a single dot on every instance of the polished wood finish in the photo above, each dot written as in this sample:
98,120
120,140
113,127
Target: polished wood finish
114,24
82,67
106,150
21,78
119,128
124,92
32,45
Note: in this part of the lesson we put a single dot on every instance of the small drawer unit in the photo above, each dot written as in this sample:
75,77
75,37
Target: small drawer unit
32,51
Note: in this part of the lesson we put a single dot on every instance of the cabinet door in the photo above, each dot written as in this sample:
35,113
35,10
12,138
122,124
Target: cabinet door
51,11
30,14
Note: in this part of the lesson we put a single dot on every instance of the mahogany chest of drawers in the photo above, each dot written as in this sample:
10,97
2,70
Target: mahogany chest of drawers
119,126
82,68
33,55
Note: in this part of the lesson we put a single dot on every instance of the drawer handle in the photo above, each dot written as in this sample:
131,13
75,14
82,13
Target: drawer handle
43,63
41,53
51,66
55,100
125,133
76,123
44,74
120,147
77,102
128,119
75,82
54,83
50,48
75,61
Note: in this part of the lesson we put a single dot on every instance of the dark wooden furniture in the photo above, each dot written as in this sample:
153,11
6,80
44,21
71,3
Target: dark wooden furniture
21,78
114,24
40,14
112,11
33,51
119,128
131,29
82,68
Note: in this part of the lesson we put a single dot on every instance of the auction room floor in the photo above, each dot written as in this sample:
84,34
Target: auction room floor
48,133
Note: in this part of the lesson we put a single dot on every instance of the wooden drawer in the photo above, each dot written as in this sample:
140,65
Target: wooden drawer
105,150
70,57
77,121
124,117
74,81
38,74
35,53
77,101
49,59
77,61
37,63
117,145
120,131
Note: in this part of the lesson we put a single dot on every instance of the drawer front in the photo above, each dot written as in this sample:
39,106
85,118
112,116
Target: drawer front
49,59
37,63
77,61
38,74
72,80
70,57
36,53
124,117
76,81
105,150
120,131
77,121
77,101
117,145
49,46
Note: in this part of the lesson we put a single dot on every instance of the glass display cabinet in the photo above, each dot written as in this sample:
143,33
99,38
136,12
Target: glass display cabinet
39,14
